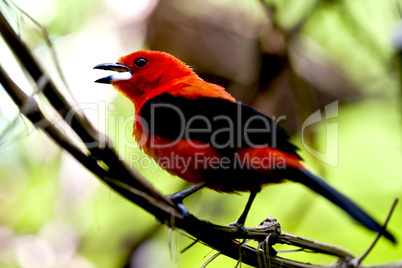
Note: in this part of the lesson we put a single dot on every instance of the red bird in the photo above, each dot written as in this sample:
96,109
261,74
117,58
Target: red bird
198,132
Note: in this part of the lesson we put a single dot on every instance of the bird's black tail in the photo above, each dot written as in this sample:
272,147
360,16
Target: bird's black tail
321,187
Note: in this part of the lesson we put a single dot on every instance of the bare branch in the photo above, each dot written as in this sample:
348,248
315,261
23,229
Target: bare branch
105,163
357,261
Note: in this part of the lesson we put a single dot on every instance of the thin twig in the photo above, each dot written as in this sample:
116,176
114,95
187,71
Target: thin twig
357,261
210,260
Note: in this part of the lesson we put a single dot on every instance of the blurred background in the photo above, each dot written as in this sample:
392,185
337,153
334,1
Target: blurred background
288,59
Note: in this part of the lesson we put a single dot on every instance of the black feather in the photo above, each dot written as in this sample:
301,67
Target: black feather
226,125
321,187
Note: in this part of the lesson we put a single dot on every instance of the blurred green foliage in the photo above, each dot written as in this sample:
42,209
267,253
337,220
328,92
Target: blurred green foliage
53,213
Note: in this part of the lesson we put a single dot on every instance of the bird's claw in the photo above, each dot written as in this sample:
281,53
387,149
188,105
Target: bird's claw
183,209
178,200
240,227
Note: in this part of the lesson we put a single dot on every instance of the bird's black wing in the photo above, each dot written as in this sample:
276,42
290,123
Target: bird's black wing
225,125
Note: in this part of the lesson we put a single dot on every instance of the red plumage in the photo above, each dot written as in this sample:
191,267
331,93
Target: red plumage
228,146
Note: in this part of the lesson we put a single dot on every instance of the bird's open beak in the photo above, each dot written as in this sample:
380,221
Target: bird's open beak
123,72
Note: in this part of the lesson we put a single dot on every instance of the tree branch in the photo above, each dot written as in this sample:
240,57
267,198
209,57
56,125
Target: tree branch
104,162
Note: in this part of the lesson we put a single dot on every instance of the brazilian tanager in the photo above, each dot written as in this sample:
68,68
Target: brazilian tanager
226,146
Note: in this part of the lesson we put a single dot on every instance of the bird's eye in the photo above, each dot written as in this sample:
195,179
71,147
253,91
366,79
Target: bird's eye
140,62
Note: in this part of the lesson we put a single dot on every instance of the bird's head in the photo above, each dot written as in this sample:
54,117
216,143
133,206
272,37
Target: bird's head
143,71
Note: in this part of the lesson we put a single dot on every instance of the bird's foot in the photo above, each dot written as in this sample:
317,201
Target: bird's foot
177,198
240,227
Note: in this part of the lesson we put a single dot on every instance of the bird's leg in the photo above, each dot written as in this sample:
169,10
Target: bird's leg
242,219
178,197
